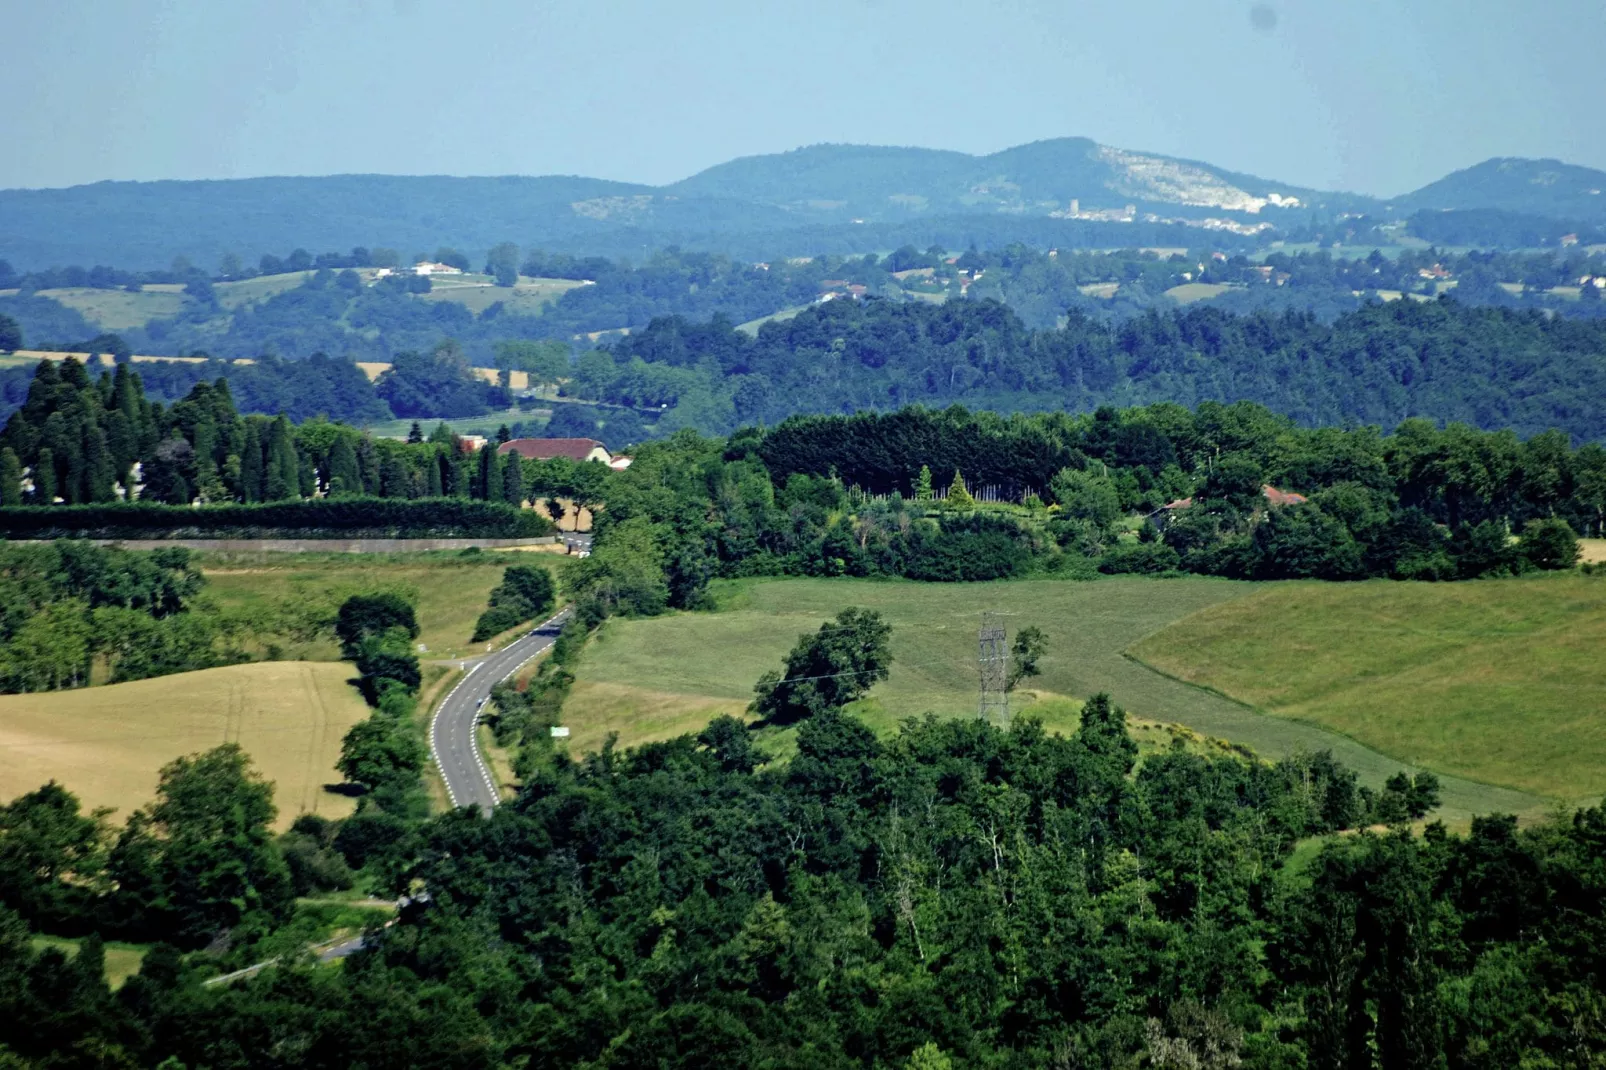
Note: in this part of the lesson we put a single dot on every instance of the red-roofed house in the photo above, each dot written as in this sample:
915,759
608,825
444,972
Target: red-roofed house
544,449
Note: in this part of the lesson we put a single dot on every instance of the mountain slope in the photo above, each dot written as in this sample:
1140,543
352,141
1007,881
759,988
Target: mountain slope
881,184
840,198
1529,187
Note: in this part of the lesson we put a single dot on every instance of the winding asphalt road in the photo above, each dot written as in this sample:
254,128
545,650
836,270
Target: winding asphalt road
452,741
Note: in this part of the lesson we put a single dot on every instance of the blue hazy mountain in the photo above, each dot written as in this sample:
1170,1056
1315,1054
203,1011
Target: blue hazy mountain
836,197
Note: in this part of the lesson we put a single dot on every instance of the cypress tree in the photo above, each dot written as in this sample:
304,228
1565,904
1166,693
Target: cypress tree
283,468
222,401
393,481
513,479
307,474
368,466
74,375
122,443
251,465
67,442
126,394
344,478
433,479
100,473
462,477
44,478
207,482
10,477
488,481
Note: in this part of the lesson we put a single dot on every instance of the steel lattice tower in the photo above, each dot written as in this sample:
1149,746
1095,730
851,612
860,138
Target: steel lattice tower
994,658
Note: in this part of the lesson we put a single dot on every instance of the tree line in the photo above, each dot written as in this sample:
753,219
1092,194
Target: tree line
1230,490
78,441
1382,363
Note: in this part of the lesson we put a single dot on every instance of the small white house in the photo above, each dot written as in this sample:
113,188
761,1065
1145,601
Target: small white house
428,267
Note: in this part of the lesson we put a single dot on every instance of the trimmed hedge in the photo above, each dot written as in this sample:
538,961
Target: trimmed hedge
325,518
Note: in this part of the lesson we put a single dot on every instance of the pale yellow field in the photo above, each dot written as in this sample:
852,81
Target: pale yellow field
1592,551
107,744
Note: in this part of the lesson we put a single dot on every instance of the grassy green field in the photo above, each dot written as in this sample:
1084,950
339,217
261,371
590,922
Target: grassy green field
1190,292
122,960
118,310
107,744
478,292
751,326
233,295
1499,681
652,679
471,425
272,590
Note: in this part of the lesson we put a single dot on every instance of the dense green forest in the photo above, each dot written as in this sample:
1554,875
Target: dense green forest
1492,368
954,895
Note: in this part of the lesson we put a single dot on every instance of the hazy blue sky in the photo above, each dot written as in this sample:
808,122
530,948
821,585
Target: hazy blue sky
1377,96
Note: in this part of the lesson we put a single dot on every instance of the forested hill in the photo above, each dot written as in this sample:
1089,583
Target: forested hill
832,198
1492,368
1547,188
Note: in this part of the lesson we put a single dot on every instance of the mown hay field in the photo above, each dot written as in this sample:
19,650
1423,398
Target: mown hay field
108,744
653,679
1500,681
275,591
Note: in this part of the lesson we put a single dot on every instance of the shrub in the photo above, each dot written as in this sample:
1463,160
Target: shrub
1140,557
1549,544
525,593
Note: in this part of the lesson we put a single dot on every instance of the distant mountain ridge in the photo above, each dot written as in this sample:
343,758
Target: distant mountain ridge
790,203
1547,188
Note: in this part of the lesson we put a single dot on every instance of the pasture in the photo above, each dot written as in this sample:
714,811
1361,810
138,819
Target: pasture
119,310
1499,681
233,295
478,293
285,594
469,425
751,326
107,744
653,679
1189,292
122,960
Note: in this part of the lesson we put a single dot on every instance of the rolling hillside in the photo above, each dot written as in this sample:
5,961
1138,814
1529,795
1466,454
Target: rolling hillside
823,197
1547,188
